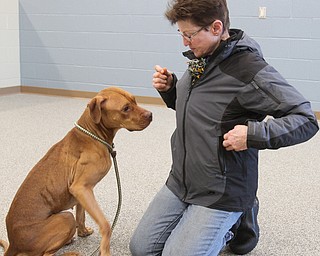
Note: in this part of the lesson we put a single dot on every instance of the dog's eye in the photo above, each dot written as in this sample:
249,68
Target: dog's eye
126,109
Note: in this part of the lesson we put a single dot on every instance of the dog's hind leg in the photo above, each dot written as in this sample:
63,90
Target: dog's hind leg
4,244
45,237
58,230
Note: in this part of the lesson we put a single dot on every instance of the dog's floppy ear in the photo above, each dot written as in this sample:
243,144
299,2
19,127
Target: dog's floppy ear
95,108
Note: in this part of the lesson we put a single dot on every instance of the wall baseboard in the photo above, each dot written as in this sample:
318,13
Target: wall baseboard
70,93
10,90
57,92
79,94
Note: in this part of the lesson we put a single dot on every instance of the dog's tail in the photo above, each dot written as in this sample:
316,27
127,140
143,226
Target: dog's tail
5,245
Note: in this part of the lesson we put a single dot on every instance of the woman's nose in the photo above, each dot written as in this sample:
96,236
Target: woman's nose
186,42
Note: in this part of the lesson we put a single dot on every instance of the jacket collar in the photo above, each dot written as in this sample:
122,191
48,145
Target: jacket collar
225,48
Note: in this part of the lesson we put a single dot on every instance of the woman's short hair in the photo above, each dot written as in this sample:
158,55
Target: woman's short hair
199,12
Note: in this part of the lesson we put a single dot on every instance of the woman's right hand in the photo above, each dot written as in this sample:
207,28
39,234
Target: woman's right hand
162,79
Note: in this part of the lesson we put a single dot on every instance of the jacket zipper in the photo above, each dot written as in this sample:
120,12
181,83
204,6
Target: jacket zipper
257,87
221,158
184,142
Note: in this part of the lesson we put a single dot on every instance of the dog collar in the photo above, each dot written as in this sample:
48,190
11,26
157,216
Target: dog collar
110,147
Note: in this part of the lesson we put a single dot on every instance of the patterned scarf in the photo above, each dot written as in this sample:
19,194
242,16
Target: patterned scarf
196,68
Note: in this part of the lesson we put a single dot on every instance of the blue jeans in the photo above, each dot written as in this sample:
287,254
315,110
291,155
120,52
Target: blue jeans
171,227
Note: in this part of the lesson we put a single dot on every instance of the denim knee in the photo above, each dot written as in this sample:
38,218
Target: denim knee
142,246
134,248
138,246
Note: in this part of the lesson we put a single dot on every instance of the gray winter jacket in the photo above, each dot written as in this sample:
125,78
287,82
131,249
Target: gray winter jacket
237,87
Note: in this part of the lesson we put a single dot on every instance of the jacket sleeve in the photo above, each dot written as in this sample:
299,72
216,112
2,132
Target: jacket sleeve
291,121
170,96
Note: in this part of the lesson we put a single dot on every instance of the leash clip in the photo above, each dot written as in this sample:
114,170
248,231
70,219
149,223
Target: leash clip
113,153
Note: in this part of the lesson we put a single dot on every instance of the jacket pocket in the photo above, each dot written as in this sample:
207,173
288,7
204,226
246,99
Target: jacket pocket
264,91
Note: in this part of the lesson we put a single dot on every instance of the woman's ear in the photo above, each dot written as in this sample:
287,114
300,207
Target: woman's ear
217,27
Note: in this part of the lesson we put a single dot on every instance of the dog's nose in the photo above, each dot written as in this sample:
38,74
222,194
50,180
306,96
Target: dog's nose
148,115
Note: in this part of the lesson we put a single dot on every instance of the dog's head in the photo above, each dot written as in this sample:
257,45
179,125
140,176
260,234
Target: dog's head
116,108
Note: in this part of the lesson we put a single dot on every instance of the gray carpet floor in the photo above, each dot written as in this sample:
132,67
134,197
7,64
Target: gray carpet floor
289,187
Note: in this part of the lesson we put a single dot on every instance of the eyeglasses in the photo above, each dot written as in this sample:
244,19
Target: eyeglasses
190,37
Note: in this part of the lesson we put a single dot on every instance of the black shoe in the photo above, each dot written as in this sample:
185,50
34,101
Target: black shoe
246,231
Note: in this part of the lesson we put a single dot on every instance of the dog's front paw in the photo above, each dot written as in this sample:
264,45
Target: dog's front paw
105,254
87,231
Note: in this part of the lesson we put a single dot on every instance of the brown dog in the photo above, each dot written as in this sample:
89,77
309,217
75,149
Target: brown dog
37,223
